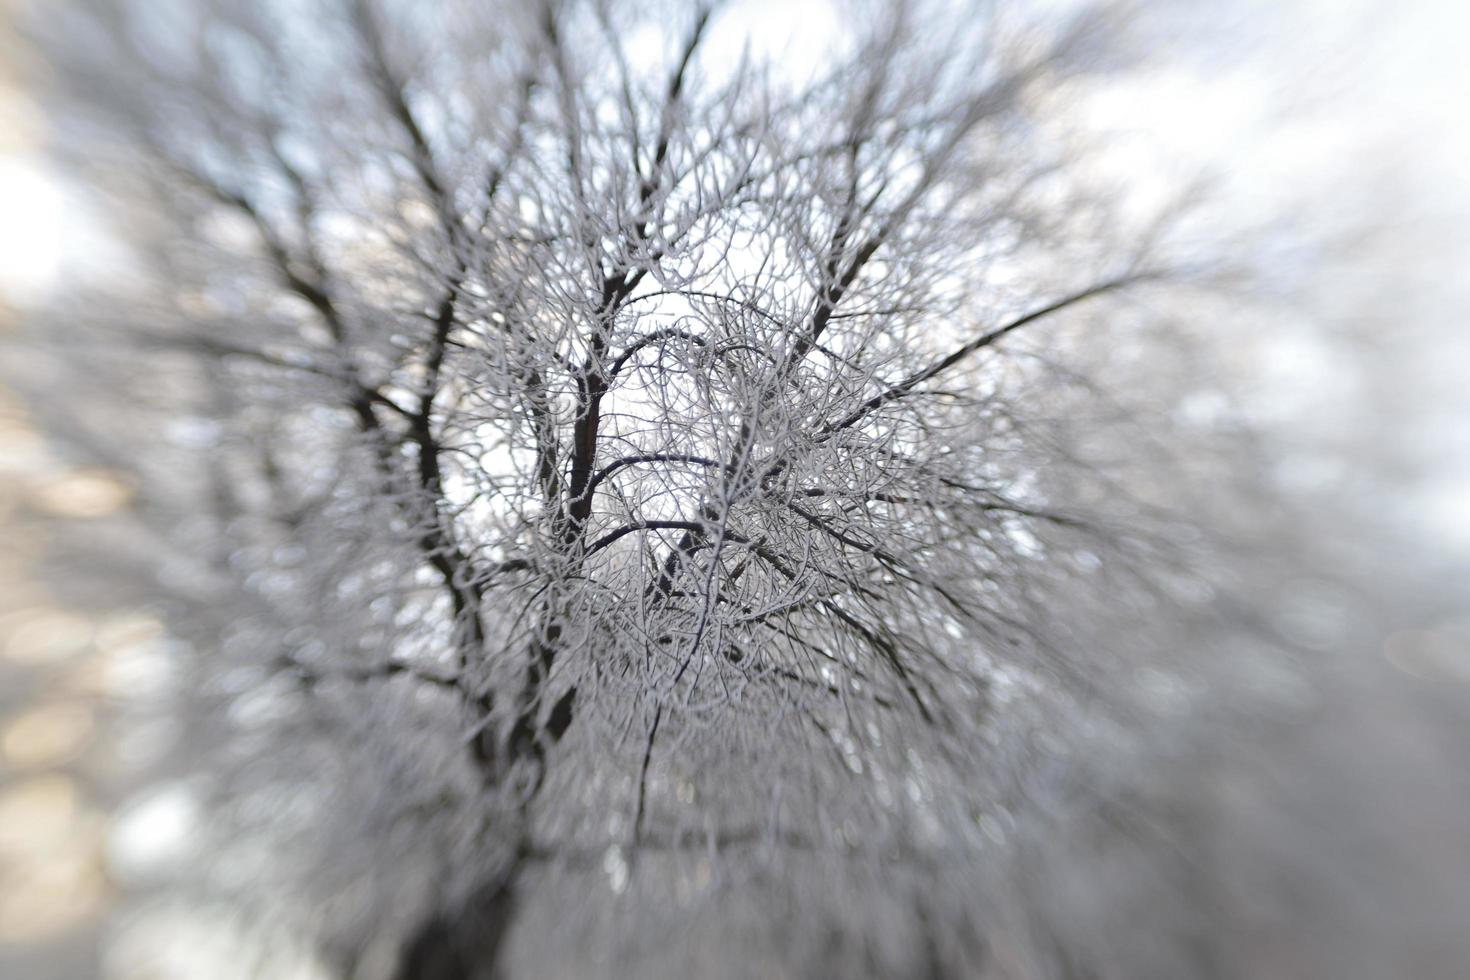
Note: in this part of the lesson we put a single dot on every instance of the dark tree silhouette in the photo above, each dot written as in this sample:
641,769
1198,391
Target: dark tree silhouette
589,448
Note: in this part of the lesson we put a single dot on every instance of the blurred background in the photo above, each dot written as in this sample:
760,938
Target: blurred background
1346,118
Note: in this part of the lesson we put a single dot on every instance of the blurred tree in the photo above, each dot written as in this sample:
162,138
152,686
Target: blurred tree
611,458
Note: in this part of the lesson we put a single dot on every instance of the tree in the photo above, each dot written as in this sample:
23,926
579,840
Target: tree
613,456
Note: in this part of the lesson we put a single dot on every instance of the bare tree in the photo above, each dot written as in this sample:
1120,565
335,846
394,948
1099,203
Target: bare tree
613,458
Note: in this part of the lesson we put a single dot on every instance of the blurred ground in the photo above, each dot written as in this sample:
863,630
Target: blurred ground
94,823
60,764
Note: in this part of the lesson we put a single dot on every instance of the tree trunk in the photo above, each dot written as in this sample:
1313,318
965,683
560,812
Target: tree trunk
464,943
